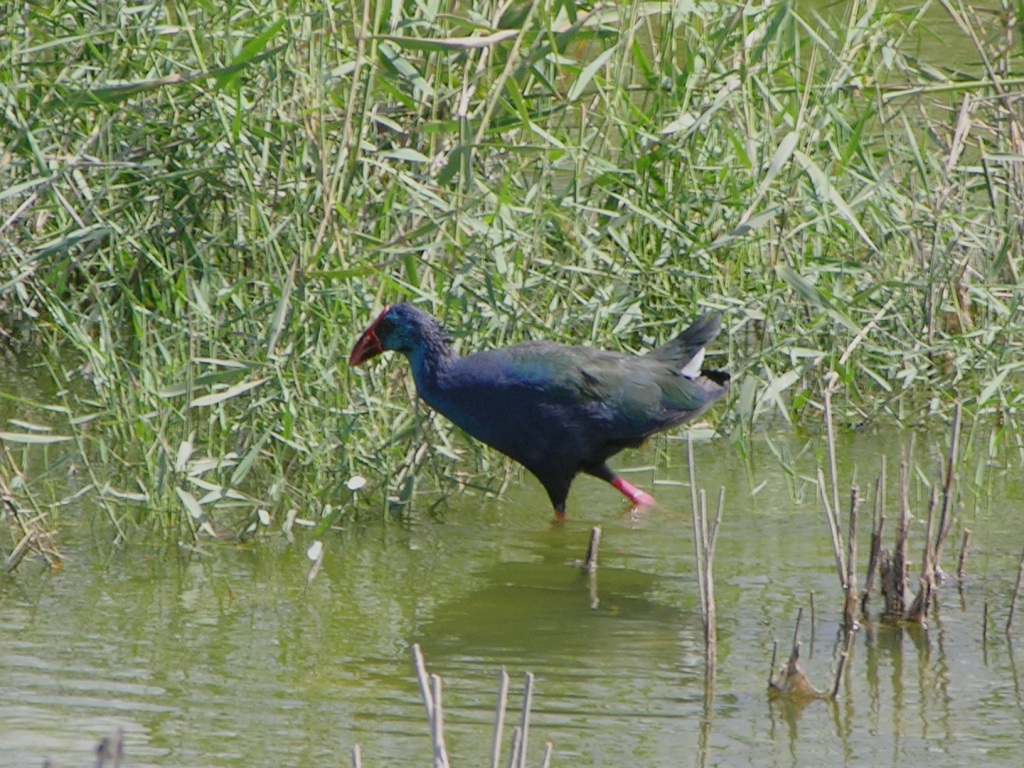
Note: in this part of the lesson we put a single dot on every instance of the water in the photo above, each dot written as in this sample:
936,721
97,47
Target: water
223,657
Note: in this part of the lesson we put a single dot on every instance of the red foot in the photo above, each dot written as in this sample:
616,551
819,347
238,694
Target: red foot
634,494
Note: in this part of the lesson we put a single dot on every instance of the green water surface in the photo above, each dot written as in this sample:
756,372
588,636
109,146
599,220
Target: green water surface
221,656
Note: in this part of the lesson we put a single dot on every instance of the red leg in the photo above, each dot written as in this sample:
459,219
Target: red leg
634,494
560,513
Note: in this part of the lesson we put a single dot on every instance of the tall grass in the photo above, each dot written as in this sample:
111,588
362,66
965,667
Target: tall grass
201,206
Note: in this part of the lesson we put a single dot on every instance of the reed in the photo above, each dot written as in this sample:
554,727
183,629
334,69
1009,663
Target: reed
194,227
431,688
1016,592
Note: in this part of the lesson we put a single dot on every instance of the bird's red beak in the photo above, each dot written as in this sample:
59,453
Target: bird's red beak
368,346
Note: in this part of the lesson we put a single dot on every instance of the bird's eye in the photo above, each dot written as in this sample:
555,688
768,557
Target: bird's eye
384,326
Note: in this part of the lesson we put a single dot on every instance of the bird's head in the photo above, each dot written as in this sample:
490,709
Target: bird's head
400,327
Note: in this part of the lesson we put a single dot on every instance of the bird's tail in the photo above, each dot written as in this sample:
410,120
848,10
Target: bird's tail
688,346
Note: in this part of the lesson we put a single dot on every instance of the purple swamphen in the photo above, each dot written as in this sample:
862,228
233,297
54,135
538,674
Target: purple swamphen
556,409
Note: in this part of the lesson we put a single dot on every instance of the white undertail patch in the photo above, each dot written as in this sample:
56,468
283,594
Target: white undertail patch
692,369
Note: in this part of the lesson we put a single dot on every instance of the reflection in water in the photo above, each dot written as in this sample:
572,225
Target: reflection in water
1013,668
222,657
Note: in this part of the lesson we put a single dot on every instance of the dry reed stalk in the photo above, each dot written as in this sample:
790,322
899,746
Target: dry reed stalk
877,524
844,659
111,748
431,688
931,568
928,551
830,445
709,612
1016,592
711,631
589,564
424,680
357,757
704,540
796,627
850,587
792,681
918,610
590,561
524,725
437,729
893,565
984,624
514,750
698,539
843,567
946,518
833,524
964,546
499,717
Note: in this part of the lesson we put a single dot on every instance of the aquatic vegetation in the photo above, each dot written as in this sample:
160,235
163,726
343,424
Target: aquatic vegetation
202,205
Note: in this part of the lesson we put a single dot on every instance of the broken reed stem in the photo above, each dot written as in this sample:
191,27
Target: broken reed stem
984,624
718,520
850,602
499,717
590,561
830,445
896,601
524,725
693,470
964,545
793,682
851,541
589,564
928,554
918,610
1016,591
833,524
430,690
844,658
698,538
945,517
437,730
424,681
513,755
877,523
110,748
710,611
357,758
710,552
704,538
548,749
700,524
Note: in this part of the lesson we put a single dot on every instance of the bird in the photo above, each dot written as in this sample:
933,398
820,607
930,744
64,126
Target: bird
559,410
